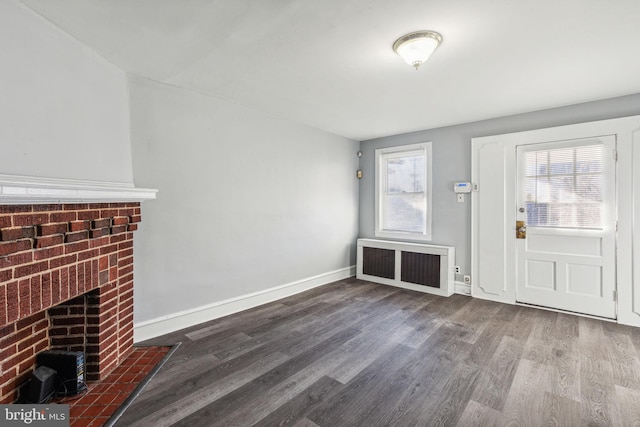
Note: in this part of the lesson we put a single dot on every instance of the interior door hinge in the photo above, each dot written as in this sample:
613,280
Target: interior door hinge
615,154
615,295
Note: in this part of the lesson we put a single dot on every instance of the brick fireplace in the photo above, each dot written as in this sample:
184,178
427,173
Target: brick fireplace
66,282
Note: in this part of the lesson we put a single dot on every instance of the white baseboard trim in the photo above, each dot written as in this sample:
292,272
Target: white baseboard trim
462,288
183,319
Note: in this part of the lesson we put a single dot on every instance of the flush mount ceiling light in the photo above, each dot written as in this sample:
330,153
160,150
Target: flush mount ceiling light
416,48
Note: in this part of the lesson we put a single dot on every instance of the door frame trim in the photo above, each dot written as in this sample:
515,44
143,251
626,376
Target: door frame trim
493,160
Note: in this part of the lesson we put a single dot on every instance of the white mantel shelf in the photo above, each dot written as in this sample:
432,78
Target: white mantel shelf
26,190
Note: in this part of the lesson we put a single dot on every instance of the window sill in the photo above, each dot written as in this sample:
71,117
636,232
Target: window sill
403,236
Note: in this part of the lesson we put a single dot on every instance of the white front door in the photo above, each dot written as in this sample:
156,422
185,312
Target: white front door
565,229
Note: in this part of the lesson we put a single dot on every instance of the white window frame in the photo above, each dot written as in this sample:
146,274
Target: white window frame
380,185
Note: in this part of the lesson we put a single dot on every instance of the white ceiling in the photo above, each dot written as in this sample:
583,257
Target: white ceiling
329,63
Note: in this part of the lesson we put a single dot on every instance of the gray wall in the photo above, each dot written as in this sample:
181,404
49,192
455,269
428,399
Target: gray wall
247,201
452,162
64,111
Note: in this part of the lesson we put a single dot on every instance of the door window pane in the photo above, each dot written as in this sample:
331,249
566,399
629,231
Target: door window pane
563,187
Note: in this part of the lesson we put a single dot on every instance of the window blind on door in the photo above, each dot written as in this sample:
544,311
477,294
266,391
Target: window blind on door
563,187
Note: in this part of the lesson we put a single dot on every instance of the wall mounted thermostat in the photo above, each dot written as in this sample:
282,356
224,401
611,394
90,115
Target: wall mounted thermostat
462,187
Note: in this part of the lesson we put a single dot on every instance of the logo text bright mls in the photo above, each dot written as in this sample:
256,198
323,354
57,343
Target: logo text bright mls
35,414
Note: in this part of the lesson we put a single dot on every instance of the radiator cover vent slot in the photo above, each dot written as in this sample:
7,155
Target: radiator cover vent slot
421,267
379,262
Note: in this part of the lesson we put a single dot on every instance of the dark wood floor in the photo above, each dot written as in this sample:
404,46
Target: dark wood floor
355,353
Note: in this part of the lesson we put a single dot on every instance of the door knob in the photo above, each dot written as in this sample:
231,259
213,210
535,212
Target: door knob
522,209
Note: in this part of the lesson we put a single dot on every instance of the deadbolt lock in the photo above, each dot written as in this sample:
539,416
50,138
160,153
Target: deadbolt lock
521,230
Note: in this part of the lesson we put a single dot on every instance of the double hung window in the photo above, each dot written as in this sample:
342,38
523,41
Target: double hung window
403,192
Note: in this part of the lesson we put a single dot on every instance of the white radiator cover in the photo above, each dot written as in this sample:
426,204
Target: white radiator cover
447,264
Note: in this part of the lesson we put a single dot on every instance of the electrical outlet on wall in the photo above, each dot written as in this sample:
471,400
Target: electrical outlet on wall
457,267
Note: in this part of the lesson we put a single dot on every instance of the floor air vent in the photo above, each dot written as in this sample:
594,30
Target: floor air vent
421,267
